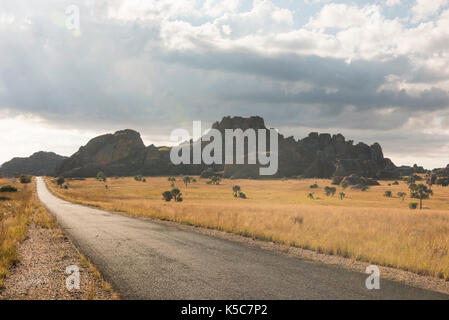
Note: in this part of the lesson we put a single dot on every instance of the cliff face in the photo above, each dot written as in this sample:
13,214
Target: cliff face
39,164
318,155
120,154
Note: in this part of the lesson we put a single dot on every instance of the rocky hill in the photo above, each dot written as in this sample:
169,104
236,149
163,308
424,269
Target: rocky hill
39,164
318,155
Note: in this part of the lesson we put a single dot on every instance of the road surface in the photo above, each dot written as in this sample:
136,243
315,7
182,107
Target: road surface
147,260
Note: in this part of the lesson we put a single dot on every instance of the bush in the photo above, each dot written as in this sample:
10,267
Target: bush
413,205
138,178
330,191
8,188
242,195
396,183
236,189
25,179
60,181
388,194
314,186
214,180
167,196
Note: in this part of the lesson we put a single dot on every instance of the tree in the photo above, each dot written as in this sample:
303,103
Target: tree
25,179
215,180
402,195
330,191
167,196
101,176
342,195
177,195
236,189
420,192
60,181
187,180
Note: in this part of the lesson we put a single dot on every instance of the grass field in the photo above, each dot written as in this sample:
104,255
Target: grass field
16,210
365,225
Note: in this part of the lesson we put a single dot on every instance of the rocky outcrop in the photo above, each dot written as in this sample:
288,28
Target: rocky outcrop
409,170
119,154
316,156
39,164
439,176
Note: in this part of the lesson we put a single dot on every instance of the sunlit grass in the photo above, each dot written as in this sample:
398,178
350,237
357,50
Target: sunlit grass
15,214
364,226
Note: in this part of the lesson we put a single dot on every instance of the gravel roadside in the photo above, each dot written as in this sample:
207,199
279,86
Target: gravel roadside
44,256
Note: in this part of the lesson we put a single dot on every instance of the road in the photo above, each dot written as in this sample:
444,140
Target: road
148,260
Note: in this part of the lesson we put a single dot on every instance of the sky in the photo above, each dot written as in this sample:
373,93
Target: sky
375,71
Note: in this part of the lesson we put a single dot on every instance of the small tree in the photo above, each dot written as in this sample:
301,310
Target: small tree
187,180
310,196
177,195
420,191
60,181
101,176
236,190
215,180
330,191
167,196
342,195
25,179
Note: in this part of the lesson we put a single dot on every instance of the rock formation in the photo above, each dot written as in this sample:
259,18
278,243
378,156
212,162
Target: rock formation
316,156
39,164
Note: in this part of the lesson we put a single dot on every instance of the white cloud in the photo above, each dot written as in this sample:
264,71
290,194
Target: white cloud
424,9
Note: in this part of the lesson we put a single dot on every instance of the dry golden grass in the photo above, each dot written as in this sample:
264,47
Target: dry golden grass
364,226
15,214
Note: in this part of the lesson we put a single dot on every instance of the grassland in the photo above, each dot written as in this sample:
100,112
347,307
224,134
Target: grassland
364,226
16,210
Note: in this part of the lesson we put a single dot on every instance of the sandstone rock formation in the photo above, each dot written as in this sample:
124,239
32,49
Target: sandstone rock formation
318,155
39,164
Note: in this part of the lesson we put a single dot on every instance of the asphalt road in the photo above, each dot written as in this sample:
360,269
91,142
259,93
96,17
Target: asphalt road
147,260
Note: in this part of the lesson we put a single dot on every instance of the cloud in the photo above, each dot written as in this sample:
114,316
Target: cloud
157,65
424,9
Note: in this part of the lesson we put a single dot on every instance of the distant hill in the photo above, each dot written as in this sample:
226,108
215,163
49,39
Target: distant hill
39,164
318,155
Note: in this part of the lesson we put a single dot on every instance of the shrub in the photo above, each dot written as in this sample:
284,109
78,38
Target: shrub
396,183
172,181
8,188
60,181
310,196
314,186
330,191
215,180
342,195
402,195
187,180
388,194
144,180
25,179
66,187
138,178
242,195
413,205
236,189
167,196
177,195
